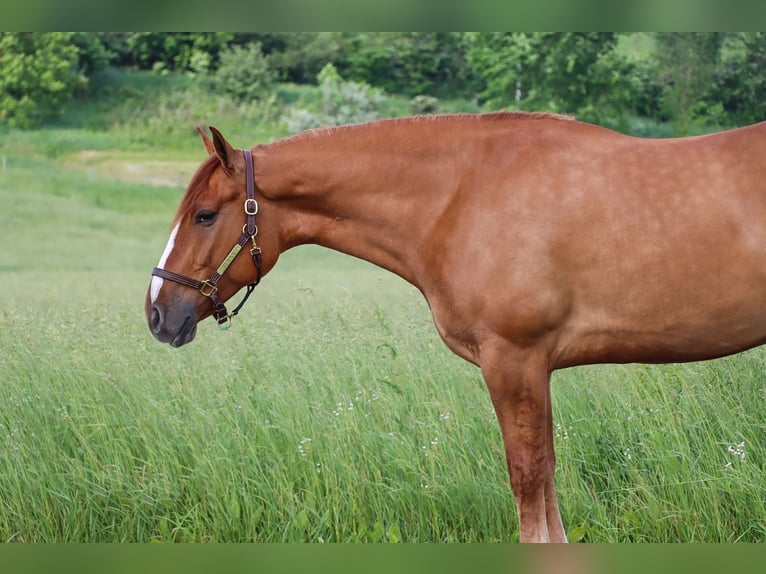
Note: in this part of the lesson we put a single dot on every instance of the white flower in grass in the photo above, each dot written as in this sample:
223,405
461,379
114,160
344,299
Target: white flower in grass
432,444
341,407
738,450
562,432
304,445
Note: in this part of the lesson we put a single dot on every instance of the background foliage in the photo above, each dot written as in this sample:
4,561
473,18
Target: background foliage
342,102
690,81
38,74
244,73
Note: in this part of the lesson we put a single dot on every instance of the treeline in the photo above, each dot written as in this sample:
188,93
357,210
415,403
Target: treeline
684,79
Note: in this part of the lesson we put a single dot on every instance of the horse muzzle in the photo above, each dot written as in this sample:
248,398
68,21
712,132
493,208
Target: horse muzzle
176,325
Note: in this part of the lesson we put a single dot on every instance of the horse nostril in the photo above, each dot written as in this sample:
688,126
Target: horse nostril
154,321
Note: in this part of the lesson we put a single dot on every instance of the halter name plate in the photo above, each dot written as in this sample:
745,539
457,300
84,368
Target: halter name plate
229,258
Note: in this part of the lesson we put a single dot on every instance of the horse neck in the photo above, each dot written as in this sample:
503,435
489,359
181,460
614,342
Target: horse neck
362,193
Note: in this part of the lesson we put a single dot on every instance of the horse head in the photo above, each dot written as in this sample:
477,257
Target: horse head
214,247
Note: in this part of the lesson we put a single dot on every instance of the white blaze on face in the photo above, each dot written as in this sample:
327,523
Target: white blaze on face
157,281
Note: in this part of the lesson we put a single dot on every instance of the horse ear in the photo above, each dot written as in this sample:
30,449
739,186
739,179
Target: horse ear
209,146
223,150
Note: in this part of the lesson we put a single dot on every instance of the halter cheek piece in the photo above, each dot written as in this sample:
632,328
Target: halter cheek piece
209,287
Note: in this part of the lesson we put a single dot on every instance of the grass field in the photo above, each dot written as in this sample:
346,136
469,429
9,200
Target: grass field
329,412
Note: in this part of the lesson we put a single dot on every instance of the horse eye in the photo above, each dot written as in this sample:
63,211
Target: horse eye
205,217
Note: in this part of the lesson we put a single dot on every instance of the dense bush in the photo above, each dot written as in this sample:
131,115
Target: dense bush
342,102
244,73
424,105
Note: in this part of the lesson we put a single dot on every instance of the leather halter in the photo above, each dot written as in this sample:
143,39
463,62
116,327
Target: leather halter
209,287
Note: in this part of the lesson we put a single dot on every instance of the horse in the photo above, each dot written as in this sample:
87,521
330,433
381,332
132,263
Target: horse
539,243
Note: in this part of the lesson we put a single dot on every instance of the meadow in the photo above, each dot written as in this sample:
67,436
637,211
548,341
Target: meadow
330,412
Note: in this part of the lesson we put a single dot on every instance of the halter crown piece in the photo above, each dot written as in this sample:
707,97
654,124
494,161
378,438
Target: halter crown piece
209,287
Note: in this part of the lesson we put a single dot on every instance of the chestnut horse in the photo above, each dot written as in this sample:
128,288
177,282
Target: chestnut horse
538,241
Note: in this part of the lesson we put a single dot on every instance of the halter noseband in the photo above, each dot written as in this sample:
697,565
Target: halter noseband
209,287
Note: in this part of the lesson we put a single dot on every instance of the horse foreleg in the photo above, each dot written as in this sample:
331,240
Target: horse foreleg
518,383
555,525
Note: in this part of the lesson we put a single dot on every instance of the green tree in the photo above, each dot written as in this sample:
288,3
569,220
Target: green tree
178,51
753,79
38,74
299,56
411,63
563,72
93,53
740,83
687,64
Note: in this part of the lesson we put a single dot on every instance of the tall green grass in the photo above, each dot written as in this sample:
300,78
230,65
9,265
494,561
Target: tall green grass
329,412
285,428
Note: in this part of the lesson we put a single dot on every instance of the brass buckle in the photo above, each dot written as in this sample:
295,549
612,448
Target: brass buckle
212,288
254,209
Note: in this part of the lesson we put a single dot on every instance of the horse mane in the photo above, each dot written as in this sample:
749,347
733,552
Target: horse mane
197,184
435,118
518,115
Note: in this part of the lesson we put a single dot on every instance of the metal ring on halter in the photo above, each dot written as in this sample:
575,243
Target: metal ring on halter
255,230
